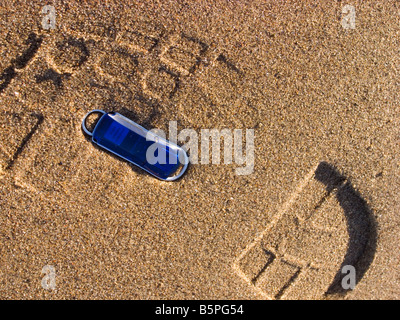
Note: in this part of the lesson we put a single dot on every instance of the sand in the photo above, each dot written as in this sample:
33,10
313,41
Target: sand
322,101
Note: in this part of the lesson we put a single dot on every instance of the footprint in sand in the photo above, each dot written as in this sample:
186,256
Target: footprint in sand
24,126
323,227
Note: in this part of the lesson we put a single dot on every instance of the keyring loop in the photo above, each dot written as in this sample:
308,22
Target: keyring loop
84,120
183,169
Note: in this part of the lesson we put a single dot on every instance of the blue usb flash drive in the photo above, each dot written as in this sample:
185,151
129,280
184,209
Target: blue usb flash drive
141,147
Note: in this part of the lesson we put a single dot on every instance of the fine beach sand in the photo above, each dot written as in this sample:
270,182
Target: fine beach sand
323,101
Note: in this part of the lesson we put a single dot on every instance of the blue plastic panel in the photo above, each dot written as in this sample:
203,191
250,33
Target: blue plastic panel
127,140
